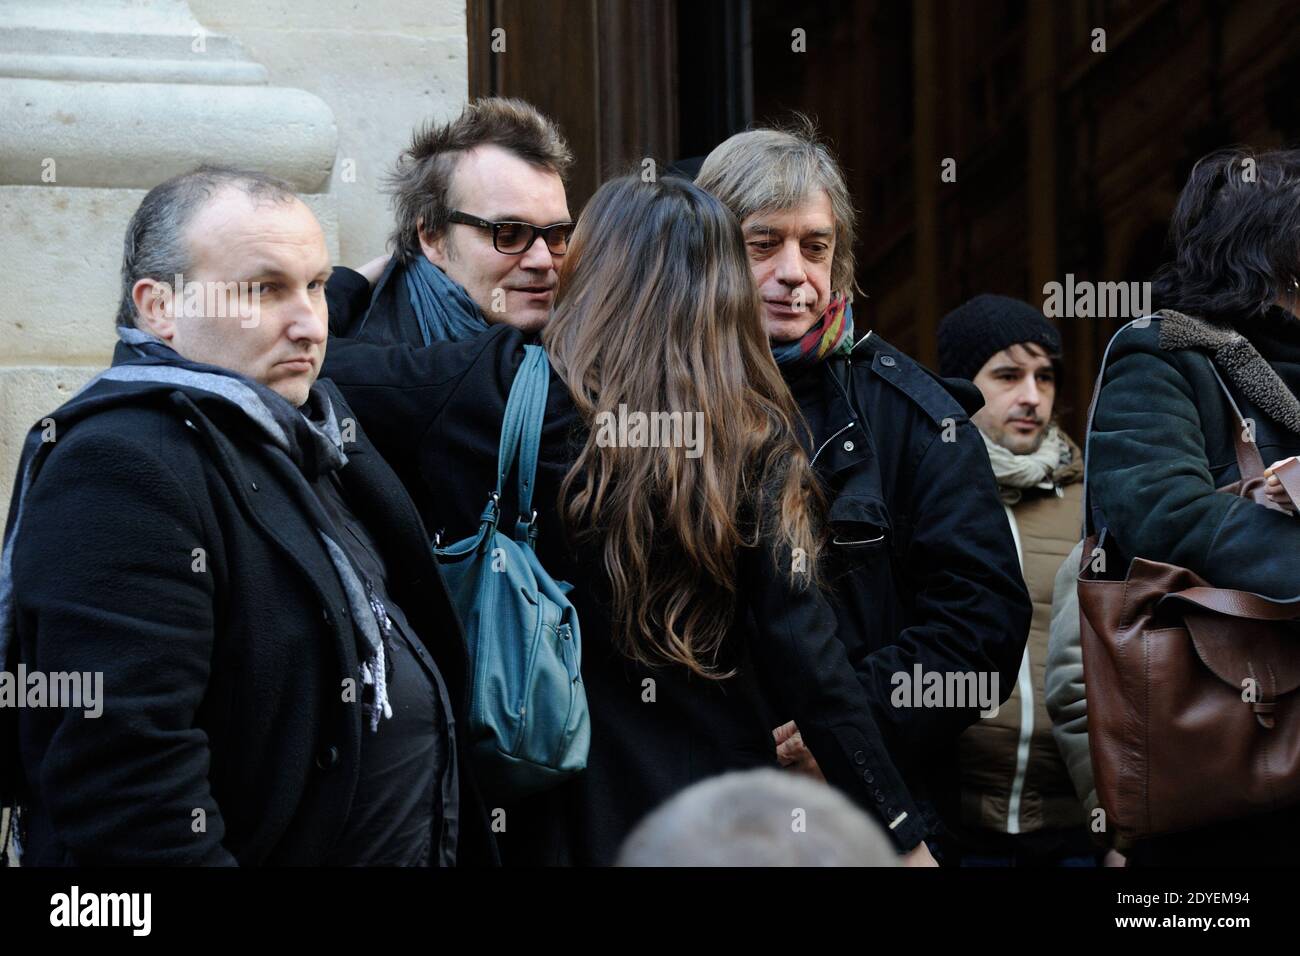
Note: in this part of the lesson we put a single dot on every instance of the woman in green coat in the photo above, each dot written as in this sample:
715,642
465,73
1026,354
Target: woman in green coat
1162,436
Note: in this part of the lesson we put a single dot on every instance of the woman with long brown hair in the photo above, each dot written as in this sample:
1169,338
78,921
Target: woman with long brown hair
693,549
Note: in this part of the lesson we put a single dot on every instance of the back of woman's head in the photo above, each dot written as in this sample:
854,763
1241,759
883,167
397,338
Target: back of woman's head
657,332
1236,236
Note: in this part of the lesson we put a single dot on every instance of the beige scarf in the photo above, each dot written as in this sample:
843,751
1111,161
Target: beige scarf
1015,472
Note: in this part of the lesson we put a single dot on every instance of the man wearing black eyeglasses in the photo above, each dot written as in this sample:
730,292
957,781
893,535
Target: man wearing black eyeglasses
482,225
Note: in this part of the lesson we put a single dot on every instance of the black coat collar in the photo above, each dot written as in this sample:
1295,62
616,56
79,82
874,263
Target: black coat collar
391,316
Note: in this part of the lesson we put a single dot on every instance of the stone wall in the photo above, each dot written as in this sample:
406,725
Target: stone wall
102,99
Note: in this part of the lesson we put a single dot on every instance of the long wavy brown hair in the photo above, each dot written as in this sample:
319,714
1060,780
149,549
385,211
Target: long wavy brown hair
657,310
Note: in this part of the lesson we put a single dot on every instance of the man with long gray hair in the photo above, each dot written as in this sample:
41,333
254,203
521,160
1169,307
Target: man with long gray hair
927,587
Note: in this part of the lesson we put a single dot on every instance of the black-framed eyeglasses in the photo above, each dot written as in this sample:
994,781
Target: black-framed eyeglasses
516,238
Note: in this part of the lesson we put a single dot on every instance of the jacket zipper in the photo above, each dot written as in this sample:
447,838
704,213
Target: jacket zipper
1025,682
831,439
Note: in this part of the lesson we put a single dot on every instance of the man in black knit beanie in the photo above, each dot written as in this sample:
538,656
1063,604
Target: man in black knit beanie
1024,794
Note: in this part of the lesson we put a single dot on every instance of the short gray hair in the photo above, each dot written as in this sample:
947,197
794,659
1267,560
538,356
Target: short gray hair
750,818
155,245
773,169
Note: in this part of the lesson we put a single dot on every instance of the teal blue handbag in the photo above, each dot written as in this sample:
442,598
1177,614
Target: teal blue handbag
528,719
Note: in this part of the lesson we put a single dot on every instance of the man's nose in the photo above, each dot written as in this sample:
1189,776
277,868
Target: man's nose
306,322
789,266
1029,393
538,257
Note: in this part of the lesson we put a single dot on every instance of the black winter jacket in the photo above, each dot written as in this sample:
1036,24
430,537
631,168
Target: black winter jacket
384,314
1161,443
923,570
223,681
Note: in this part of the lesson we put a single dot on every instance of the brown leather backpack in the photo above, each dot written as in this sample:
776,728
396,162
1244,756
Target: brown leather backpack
1193,715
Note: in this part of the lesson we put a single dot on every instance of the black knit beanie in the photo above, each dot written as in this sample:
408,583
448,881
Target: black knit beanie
984,326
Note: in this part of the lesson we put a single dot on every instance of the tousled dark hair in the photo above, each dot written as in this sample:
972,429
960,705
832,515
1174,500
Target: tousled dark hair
1235,234
420,182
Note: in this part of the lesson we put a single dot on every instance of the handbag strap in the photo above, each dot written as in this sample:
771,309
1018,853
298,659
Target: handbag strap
1243,604
521,433
1249,462
530,430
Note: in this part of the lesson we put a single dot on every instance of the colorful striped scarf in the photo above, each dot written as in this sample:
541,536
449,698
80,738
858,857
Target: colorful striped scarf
832,333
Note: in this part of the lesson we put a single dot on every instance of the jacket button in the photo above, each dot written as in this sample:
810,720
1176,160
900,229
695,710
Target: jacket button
859,757
880,797
887,361
328,759
868,776
848,446
253,485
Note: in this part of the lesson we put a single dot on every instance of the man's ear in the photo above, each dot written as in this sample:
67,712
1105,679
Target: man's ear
436,250
155,308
